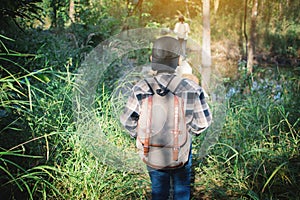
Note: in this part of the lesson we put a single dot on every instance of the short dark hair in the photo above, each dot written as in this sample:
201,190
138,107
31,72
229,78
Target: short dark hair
181,18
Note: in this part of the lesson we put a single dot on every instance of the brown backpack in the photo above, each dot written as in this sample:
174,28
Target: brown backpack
162,138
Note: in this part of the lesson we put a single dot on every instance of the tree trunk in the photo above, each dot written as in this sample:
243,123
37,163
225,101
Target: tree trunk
251,45
206,49
216,6
72,11
187,9
241,42
54,13
245,28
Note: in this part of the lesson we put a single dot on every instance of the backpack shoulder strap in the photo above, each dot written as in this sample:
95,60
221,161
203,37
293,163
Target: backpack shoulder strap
151,89
171,86
174,83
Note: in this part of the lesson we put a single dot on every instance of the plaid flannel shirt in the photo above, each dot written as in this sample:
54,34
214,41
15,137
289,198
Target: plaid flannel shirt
197,112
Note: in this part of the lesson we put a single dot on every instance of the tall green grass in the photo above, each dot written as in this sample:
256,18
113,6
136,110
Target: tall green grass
44,154
257,155
40,128
25,144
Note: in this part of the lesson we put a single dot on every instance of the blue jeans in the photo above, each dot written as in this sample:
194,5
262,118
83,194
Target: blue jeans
176,182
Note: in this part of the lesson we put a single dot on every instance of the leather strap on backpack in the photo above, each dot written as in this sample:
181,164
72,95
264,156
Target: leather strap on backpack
176,130
148,127
174,83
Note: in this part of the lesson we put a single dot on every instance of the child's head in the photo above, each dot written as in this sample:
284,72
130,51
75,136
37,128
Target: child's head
181,18
165,54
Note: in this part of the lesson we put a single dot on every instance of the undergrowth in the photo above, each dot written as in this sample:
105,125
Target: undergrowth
44,154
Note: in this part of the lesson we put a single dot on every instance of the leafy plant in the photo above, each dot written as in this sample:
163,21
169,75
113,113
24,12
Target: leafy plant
20,9
258,149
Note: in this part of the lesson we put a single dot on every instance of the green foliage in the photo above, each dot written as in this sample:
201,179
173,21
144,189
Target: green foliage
28,182
284,42
98,14
85,171
42,153
45,119
25,139
49,50
19,9
258,151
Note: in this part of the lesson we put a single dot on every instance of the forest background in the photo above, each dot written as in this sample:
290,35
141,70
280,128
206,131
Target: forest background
43,43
